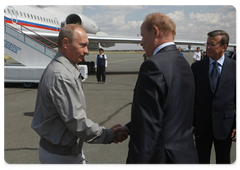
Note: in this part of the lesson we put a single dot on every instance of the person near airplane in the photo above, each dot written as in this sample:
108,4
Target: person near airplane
215,100
101,65
234,54
197,55
60,113
180,50
161,125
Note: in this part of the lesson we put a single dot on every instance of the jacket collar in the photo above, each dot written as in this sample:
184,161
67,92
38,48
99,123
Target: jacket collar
162,46
70,66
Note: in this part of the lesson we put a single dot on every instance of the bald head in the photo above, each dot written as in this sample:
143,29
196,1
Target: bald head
162,22
156,30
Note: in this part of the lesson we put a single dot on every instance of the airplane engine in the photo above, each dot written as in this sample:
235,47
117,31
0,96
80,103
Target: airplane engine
105,44
88,25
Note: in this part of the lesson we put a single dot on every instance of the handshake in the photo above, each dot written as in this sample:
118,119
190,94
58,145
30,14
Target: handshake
121,132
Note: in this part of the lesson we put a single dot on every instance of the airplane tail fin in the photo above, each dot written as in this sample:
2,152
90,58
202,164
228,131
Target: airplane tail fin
68,9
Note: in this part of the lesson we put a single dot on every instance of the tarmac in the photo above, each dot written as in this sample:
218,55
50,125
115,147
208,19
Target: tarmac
107,104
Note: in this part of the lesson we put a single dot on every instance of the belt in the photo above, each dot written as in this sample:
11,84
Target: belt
56,149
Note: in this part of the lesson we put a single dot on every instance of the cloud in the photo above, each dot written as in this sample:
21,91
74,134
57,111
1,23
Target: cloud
122,7
116,20
196,25
192,22
90,7
177,16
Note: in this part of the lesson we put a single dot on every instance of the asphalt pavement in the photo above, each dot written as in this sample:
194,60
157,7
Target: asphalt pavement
107,104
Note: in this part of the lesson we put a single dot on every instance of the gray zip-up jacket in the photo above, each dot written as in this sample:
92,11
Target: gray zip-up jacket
60,111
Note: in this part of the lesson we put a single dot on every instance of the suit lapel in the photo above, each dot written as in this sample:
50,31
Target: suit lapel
206,74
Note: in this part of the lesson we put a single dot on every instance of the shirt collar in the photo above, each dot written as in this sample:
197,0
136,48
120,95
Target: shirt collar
73,68
162,46
220,60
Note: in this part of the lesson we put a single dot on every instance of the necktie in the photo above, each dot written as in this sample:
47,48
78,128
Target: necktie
214,76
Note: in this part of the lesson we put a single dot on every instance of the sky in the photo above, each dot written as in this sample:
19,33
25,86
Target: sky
193,22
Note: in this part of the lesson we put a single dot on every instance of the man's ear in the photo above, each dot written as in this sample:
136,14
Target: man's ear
156,31
65,43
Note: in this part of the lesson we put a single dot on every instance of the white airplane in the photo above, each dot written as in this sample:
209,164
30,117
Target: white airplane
47,20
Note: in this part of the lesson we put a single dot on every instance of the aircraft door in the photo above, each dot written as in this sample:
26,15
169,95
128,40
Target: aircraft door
13,14
57,24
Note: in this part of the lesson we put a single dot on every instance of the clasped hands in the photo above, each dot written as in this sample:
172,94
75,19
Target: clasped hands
121,132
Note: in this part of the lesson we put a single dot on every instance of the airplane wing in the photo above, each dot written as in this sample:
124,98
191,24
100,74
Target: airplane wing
137,40
118,39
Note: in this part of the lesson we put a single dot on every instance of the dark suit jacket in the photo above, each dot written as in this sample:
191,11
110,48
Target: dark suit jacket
235,56
162,111
218,108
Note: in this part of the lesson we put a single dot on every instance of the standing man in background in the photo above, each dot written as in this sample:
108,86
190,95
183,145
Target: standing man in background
215,100
180,50
197,55
234,55
101,65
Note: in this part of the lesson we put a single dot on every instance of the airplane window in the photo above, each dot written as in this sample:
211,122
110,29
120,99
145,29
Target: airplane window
28,15
24,14
31,16
13,12
8,11
41,18
17,13
20,13
38,17
4,11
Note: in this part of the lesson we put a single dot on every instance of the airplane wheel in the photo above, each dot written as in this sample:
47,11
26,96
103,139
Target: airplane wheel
27,85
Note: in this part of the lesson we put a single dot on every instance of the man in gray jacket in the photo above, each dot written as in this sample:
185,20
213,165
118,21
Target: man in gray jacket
60,112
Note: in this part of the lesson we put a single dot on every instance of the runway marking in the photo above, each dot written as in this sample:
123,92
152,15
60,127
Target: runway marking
16,149
115,113
123,60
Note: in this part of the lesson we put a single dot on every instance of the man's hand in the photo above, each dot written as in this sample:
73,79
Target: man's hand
233,135
121,133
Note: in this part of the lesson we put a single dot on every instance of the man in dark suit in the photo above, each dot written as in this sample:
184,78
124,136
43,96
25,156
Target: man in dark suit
215,100
234,55
162,109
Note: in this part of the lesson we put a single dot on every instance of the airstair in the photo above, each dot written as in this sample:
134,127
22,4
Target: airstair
33,54
24,48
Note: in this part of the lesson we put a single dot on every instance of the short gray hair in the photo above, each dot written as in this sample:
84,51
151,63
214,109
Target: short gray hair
223,34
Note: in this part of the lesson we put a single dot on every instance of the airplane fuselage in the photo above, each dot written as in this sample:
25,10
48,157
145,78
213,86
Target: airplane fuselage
48,19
